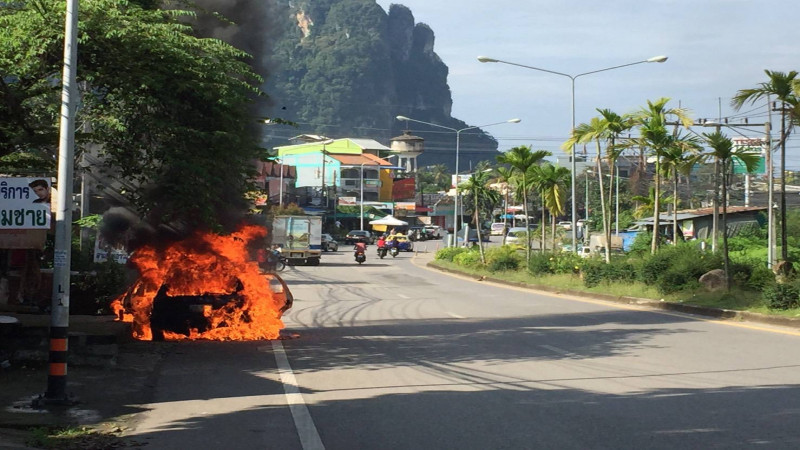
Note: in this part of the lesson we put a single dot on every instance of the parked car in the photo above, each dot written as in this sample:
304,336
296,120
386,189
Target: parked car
354,236
329,244
404,243
565,225
516,235
434,231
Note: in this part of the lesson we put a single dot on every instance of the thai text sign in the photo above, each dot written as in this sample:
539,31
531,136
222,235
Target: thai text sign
24,203
750,145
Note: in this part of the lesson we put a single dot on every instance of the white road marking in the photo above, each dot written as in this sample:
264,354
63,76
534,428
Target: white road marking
306,430
455,316
403,296
560,351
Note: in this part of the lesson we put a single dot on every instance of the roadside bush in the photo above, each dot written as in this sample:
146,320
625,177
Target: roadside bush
675,268
503,258
447,253
566,262
596,270
751,274
468,259
592,271
761,278
539,263
782,296
641,244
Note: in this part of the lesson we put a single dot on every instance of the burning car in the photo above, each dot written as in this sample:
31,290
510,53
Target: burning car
206,286
194,314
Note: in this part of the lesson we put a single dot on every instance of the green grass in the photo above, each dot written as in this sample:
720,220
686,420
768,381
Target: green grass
736,299
73,438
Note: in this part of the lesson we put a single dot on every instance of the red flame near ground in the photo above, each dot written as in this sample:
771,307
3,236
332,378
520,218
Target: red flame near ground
205,263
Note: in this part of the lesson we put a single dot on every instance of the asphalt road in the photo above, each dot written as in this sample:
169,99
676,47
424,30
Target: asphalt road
395,356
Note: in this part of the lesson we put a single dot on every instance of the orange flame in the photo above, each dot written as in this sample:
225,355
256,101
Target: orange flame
205,264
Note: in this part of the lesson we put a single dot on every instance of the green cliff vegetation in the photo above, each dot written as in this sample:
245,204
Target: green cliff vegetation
346,68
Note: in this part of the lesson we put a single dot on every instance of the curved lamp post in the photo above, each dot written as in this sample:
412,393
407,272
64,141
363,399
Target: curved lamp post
657,59
458,142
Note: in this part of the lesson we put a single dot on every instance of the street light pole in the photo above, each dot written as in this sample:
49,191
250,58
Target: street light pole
362,197
458,144
658,59
280,188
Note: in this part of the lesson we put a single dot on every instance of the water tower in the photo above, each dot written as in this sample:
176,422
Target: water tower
407,147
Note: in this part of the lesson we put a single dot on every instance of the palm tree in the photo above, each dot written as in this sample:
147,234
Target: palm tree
646,204
551,181
654,135
723,151
615,126
478,188
520,159
679,158
784,86
505,176
596,130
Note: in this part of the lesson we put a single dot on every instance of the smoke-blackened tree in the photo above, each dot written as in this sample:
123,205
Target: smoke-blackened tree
168,109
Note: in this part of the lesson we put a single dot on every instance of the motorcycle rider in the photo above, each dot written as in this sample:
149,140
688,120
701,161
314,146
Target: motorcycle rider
382,249
360,247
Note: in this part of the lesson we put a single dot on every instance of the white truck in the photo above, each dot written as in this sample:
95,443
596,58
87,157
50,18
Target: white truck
300,238
597,245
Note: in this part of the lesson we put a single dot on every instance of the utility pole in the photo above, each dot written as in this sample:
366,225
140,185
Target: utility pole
770,189
59,315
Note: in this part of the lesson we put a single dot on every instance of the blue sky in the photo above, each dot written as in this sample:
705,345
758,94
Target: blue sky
715,48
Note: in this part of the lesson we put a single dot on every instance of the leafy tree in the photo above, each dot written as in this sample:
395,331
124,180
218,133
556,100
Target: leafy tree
168,110
434,178
785,87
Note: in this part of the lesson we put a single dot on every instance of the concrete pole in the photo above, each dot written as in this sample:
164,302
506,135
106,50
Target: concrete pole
280,188
362,197
770,189
59,315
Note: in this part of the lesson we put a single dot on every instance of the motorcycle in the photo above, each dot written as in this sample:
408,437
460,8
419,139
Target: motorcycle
382,252
360,257
394,251
281,264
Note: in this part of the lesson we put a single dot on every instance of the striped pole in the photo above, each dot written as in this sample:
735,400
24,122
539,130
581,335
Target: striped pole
57,367
59,314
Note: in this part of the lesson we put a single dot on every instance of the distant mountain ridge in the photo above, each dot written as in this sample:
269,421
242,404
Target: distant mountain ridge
346,68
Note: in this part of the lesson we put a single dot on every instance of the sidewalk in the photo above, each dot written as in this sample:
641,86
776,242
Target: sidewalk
108,374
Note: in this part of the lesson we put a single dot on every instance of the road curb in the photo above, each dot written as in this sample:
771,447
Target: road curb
716,313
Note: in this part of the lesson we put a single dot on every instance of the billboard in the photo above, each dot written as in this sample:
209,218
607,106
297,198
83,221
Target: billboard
456,180
751,145
25,203
403,189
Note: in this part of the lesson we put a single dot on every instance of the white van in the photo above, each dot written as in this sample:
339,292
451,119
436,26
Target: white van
498,229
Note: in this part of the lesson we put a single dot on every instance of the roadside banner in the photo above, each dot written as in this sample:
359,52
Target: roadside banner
24,203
